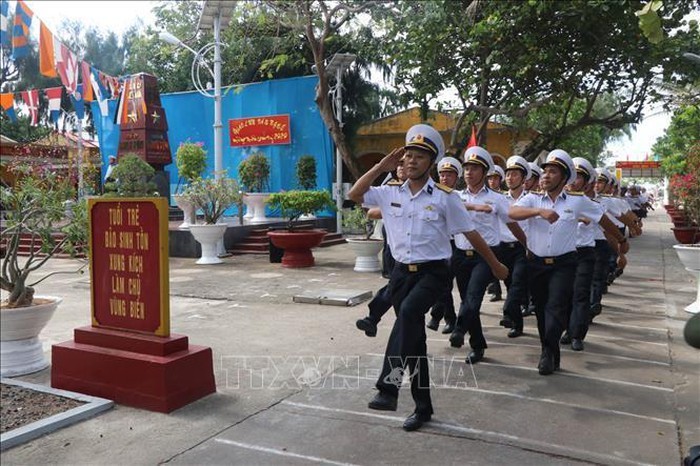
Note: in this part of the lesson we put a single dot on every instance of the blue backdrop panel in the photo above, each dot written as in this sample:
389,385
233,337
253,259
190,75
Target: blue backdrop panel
191,116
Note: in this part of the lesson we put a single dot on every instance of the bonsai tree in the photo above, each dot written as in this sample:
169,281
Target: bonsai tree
191,161
133,179
306,172
254,173
213,196
293,204
356,221
35,207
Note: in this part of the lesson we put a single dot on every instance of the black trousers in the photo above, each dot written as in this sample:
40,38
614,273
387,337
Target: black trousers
380,304
600,271
551,283
412,295
581,309
513,256
473,275
444,306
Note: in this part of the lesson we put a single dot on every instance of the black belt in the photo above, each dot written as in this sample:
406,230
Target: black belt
585,248
556,259
511,245
421,266
466,252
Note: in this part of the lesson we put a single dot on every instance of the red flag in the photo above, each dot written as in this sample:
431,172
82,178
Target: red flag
31,98
67,66
87,85
472,139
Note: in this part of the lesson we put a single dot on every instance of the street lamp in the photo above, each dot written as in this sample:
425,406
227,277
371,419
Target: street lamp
215,14
336,67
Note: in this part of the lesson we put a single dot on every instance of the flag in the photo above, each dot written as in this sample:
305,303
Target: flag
472,139
5,38
99,90
47,59
123,107
20,31
31,98
7,102
66,65
78,102
53,94
87,84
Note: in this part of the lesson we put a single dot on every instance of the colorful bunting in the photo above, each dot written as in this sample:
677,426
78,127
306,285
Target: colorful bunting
20,31
78,102
47,60
123,107
66,65
7,102
87,85
5,38
100,91
54,95
31,98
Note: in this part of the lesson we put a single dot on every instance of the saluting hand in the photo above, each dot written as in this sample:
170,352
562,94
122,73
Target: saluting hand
391,161
550,215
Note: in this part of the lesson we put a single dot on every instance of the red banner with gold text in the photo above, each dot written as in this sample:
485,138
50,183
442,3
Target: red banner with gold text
259,131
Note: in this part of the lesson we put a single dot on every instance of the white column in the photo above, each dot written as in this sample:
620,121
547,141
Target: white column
218,143
340,195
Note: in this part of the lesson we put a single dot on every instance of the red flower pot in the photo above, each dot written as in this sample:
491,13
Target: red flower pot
686,235
297,246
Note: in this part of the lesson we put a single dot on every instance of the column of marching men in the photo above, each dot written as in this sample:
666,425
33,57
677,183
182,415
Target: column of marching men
556,236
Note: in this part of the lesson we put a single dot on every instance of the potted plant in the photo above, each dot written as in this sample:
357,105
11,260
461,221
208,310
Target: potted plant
254,175
133,178
297,243
191,161
34,210
357,223
306,178
212,196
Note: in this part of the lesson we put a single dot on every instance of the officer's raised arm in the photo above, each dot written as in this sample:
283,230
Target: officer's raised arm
387,164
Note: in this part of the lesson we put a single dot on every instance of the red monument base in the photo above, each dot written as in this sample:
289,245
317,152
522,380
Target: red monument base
144,371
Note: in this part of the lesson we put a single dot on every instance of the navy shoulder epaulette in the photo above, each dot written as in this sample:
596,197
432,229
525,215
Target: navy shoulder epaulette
444,188
394,183
574,193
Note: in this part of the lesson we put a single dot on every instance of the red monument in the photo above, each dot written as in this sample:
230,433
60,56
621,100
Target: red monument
128,354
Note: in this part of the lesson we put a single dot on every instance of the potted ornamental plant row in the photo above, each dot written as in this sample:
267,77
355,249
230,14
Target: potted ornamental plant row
296,242
358,229
254,176
34,208
191,162
212,196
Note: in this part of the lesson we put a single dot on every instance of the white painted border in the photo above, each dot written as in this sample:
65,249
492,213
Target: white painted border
93,405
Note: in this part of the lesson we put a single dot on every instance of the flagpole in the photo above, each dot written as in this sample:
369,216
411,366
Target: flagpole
81,187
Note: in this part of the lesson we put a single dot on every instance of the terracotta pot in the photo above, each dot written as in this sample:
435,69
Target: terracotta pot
297,246
685,235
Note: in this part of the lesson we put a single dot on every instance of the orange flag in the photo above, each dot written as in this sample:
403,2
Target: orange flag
87,85
47,63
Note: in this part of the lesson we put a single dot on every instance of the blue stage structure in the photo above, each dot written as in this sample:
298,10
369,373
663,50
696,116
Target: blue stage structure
190,117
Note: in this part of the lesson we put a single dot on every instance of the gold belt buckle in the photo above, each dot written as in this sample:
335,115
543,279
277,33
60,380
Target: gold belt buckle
413,267
549,260
469,252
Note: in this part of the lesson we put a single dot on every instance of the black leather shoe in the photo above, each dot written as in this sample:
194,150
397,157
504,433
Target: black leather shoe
506,322
448,328
494,298
415,421
596,309
546,365
369,327
433,324
475,356
382,402
565,339
577,344
457,339
515,332
529,310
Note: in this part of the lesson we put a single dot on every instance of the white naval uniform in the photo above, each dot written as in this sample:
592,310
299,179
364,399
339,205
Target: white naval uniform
487,224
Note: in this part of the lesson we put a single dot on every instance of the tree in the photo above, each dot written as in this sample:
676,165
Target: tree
507,58
675,145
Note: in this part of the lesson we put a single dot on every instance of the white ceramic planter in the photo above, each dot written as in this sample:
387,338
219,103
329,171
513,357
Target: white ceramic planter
208,236
21,351
188,209
366,251
256,207
690,257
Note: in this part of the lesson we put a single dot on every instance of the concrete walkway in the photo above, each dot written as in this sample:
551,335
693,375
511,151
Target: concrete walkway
294,379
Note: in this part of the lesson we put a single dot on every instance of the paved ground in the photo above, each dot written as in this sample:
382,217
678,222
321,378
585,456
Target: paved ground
632,397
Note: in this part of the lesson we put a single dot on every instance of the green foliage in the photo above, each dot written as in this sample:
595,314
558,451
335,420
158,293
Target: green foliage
356,221
191,161
306,172
213,196
22,130
254,173
650,22
133,178
674,146
36,207
294,204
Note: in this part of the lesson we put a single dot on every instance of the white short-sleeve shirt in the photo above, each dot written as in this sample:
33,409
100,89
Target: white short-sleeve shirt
487,224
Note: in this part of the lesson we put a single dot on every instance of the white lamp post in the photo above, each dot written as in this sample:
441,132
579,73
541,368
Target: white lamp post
336,67
215,14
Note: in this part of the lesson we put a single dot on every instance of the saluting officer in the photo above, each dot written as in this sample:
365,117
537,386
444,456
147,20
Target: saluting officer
489,208
552,221
419,216
449,172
